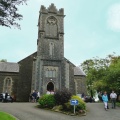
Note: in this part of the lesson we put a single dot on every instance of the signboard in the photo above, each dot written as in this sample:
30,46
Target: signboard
74,102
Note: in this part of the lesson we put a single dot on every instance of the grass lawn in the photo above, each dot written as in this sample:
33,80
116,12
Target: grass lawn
5,116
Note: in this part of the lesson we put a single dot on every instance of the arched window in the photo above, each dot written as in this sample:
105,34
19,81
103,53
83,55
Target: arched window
6,82
9,82
7,85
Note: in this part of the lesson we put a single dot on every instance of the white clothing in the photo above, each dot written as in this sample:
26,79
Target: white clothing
52,92
38,94
48,92
113,95
105,104
3,95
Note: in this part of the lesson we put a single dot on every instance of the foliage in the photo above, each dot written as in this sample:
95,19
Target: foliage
62,96
8,12
118,104
103,74
58,108
5,116
47,101
3,60
81,105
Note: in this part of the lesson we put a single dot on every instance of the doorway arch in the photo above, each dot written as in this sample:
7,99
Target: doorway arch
50,86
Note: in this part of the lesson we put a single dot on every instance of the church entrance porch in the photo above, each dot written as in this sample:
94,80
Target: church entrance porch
50,86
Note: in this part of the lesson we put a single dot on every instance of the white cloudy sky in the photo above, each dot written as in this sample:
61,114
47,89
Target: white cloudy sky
92,28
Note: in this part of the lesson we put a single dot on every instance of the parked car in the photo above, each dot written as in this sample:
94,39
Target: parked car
8,98
89,99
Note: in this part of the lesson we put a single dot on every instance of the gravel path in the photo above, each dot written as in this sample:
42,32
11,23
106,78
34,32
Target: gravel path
28,111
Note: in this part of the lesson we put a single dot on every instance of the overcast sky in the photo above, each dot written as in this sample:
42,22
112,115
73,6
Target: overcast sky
92,28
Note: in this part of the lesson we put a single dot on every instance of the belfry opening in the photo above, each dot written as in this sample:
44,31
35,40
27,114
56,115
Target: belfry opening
50,86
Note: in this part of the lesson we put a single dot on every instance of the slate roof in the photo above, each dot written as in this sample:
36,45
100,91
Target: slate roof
9,67
78,71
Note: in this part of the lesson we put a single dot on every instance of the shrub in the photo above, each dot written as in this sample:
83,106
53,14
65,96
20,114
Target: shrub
62,97
47,101
81,105
118,104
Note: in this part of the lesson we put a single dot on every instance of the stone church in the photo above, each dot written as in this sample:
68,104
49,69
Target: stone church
47,68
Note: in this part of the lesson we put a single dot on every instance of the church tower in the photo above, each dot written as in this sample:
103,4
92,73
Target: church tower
48,71
51,33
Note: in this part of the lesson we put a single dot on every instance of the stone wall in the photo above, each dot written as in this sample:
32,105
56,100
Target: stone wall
25,78
14,77
80,84
69,76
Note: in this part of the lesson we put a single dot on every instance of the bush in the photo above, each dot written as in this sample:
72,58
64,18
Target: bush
118,104
81,105
47,101
62,97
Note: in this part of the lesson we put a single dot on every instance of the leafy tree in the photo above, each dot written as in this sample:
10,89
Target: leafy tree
113,77
102,74
3,60
9,12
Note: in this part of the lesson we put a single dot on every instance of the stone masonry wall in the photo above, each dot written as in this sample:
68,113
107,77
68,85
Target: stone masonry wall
14,77
25,78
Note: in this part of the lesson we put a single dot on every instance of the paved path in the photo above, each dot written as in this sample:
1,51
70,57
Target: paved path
28,111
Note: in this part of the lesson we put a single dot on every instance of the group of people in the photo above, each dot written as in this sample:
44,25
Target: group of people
34,96
6,97
50,92
113,97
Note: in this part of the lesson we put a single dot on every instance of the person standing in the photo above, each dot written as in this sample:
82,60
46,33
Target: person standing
48,92
105,100
113,97
6,95
30,98
83,95
34,96
38,96
100,96
52,92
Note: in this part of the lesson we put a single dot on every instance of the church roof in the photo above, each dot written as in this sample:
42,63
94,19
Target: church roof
9,67
78,71
68,61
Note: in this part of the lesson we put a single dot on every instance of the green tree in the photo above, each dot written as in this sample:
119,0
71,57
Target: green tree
9,12
113,77
102,74
3,60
